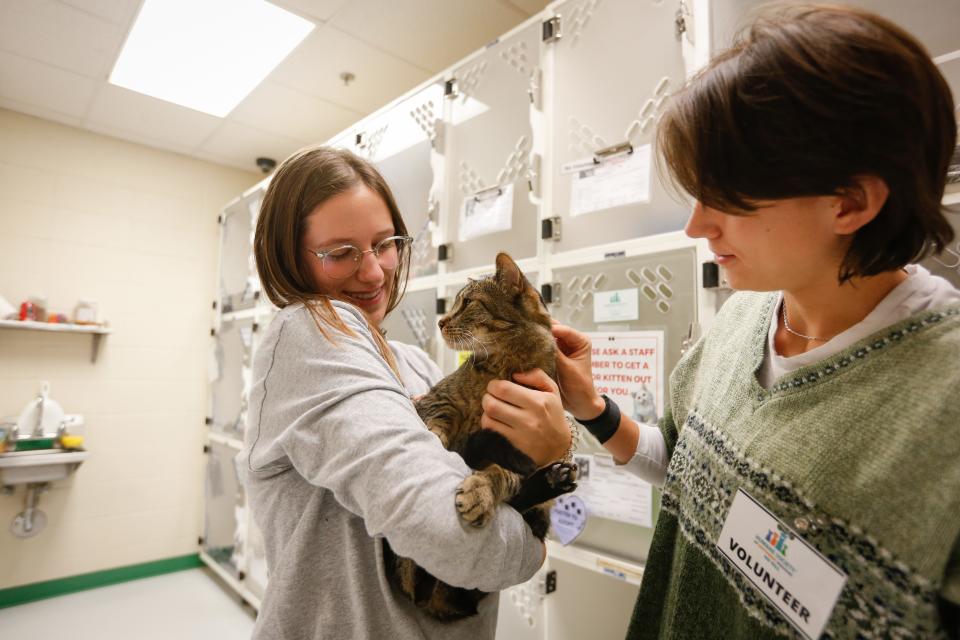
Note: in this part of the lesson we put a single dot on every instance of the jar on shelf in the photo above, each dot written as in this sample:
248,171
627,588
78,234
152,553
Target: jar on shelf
39,307
85,312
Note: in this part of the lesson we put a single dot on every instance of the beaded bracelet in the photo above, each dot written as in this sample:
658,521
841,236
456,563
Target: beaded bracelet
605,425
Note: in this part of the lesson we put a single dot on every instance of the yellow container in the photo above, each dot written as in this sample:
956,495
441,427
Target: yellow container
71,442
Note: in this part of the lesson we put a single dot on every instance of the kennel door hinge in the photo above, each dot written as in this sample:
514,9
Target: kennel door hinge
714,276
551,29
680,20
550,228
550,582
450,90
550,292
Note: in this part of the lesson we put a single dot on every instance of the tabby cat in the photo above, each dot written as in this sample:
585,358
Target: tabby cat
503,320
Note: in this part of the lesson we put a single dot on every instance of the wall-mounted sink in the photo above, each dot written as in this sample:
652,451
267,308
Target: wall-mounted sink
46,465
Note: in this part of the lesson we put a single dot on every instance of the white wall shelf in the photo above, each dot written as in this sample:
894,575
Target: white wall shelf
96,331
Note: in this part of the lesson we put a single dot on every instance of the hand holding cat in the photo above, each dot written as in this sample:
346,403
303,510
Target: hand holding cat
529,416
575,373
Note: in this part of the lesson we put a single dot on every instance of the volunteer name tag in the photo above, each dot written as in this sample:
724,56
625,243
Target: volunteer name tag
794,577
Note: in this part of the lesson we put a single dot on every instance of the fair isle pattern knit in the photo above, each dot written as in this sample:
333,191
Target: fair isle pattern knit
826,449
889,599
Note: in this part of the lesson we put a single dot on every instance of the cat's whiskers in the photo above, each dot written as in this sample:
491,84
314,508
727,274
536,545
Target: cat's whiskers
475,340
460,339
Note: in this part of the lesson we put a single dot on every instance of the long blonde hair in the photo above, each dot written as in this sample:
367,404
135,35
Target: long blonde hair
304,181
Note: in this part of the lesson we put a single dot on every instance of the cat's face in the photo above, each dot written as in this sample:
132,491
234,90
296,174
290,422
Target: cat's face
643,395
503,302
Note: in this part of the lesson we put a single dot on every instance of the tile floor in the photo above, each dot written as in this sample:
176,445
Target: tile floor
186,605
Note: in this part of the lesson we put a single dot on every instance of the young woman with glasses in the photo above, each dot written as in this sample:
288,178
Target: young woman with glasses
335,456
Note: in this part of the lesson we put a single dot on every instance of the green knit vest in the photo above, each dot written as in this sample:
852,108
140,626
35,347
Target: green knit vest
860,452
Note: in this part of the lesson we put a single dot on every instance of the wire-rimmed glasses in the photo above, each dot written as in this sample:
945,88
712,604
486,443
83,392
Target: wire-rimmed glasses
343,262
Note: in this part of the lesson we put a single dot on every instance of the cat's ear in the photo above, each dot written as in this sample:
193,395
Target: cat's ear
509,276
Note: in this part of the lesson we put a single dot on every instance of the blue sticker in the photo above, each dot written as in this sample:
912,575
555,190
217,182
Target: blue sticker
568,518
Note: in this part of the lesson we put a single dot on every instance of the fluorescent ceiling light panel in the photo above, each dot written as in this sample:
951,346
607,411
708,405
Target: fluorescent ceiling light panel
207,55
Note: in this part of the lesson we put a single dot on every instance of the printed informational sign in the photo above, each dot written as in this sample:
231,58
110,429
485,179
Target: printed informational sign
616,306
568,518
802,584
613,182
628,367
612,492
486,213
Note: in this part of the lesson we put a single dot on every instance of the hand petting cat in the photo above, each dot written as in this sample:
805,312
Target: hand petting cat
575,373
530,416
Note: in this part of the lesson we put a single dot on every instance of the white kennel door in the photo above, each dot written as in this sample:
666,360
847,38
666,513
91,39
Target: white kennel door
400,142
489,140
614,65
233,353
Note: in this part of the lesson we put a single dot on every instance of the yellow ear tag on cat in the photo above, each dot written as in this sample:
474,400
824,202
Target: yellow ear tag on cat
463,356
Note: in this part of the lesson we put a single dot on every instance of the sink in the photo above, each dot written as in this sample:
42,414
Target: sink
22,467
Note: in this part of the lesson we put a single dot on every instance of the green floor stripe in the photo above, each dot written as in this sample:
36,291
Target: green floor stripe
52,588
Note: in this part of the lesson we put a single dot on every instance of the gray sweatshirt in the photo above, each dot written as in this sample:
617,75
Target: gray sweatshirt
335,459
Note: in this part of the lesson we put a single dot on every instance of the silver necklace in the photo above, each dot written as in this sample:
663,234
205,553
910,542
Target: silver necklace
786,325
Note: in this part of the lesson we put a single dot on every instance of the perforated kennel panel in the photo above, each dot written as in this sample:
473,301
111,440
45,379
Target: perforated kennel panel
488,143
239,284
222,505
230,369
614,64
400,142
414,321
666,285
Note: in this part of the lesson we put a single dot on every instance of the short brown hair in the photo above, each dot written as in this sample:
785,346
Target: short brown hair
807,99
304,181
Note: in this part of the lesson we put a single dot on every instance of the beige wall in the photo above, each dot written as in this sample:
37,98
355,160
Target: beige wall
87,216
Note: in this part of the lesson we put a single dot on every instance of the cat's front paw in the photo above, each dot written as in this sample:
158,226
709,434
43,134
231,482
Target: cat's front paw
562,476
475,502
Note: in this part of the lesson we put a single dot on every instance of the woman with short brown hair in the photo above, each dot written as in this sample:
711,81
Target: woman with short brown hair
810,451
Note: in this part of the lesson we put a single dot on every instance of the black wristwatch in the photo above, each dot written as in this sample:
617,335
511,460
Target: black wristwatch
606,424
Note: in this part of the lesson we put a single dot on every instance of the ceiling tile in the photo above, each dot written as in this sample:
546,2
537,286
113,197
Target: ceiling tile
315,68
317,10
241,145
59,35
431,34
41,85
274,108
117,11
125,110
140,137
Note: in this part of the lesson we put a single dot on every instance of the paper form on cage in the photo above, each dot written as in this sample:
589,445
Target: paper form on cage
486,212
614,182
612,492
